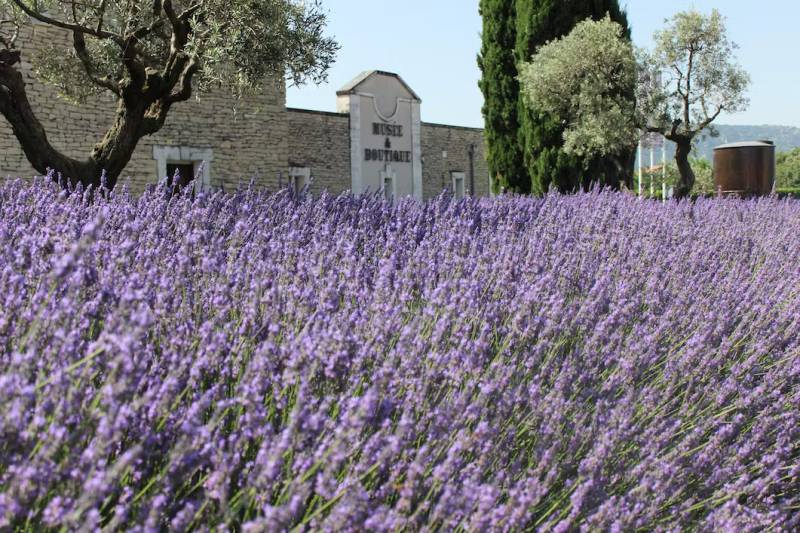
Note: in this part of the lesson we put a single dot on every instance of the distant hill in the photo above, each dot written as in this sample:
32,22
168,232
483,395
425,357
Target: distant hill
784,137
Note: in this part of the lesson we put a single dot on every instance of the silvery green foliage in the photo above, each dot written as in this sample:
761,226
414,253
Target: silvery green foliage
691,76
586,79
704,176
236,43
259,362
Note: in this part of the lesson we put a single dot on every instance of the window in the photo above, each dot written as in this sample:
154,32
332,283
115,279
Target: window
185,173
459,187
190,163
299,178
388,188
388,183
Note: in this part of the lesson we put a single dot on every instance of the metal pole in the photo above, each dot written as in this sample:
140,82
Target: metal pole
640,168
652,165
444,169
471,152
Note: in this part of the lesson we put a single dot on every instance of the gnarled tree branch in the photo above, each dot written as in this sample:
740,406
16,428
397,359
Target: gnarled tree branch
185,90
79,44
142,55
36,14
16,109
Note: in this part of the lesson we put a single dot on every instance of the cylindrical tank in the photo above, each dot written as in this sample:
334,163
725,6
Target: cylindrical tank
745,168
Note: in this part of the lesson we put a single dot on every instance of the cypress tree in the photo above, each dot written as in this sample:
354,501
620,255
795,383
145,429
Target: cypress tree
540,138
501,93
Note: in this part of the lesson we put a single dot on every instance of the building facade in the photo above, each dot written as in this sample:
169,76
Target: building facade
375,142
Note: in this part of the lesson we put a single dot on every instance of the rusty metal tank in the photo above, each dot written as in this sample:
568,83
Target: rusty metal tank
745,169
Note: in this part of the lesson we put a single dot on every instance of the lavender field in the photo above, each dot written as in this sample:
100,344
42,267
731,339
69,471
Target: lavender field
261,362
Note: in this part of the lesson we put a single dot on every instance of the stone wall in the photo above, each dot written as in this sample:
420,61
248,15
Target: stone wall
320,141
455,140
254,138
248,138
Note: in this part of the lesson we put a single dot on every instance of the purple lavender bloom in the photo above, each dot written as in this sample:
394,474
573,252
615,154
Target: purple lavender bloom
251,361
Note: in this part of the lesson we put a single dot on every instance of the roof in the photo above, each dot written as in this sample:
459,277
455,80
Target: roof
746,144
351,87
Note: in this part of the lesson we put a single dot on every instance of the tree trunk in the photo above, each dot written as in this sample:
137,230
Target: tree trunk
613,170
686,174
624,164
133,120
30,133
114,152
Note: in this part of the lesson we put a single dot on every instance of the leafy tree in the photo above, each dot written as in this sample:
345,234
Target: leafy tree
687,81
788,169
542,138
150,54
500,92
586,81
704,176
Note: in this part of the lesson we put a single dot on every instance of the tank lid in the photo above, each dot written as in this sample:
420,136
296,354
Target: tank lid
746,144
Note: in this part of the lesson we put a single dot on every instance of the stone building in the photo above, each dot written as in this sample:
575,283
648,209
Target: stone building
375,141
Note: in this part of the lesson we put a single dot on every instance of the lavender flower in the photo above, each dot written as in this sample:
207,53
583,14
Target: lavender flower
258,361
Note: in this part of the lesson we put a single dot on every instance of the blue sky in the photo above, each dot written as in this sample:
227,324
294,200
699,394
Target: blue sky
433,44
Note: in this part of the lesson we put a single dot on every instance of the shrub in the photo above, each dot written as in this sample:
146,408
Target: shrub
788,169
257,361
788,192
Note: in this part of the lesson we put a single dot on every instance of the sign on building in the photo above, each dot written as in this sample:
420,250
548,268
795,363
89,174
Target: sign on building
385,129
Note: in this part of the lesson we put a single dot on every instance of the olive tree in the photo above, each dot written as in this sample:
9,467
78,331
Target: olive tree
606,97
151,55
687,81
586,81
